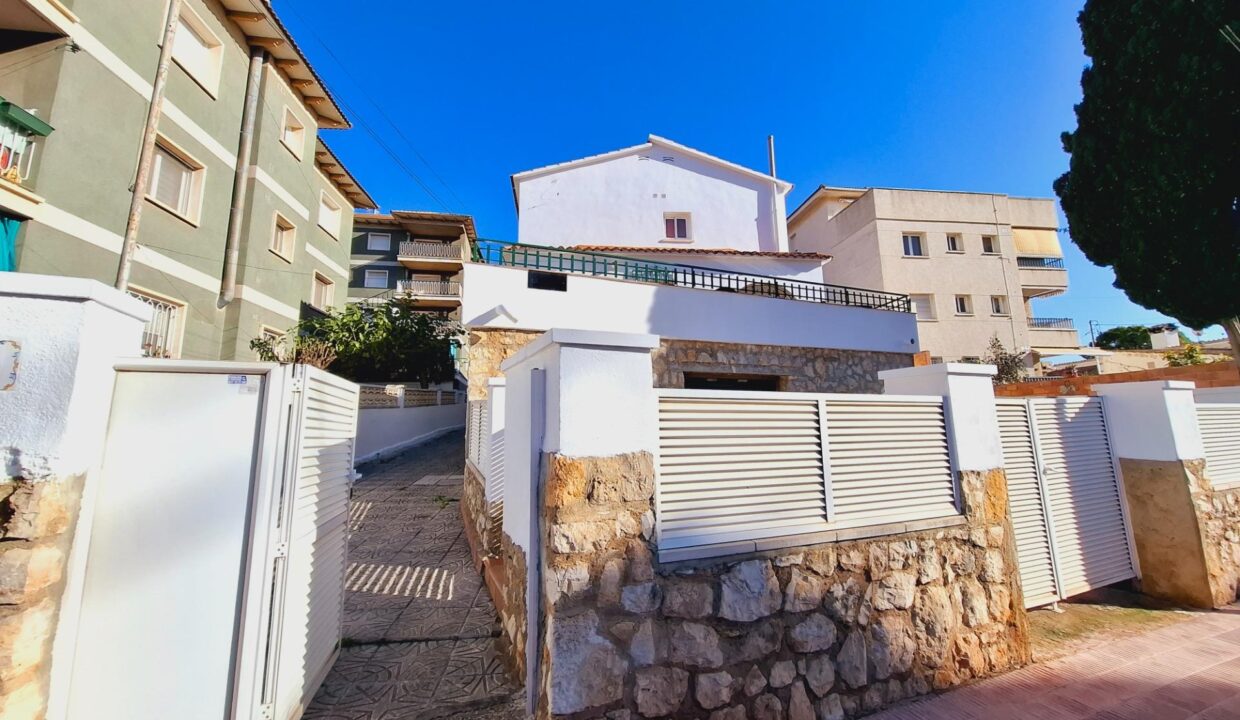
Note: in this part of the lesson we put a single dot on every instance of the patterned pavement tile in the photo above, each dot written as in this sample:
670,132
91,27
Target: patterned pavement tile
418,617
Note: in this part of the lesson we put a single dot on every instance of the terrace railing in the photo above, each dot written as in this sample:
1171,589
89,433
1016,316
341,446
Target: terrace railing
427,249
1052,323
580,262
1040,263
450,288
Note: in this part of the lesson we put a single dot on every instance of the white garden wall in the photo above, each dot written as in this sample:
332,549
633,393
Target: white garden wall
386,431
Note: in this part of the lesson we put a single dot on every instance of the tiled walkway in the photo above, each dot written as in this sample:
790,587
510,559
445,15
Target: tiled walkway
1181,671
419,626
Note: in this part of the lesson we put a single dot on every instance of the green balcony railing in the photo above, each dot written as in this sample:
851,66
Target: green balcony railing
580,262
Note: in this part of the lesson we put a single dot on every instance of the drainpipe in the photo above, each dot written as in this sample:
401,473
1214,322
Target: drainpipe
775,218
228,278
146,155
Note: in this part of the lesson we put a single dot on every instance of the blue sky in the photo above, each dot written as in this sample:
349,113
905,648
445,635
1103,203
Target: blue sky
965,95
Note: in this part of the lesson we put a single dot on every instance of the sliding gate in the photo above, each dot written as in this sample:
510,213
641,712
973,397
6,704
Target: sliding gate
1067,503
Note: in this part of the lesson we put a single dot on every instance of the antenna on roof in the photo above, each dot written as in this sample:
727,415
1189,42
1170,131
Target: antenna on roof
770,152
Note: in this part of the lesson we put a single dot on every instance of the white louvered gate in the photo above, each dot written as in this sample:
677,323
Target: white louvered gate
1067,503
309,577
1220,434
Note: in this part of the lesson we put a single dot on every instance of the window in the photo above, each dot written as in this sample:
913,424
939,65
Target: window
676,226
913,246
197,50
379,241
293,134
161,336
998,305
954,245
971,359
964,306
329,215
176,181
375,279
322,292
270,334
923,306
989,245
547,281
283,238
727,381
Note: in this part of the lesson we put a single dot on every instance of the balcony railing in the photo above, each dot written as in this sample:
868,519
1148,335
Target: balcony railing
578,262
450,288
1051,324
1040,263
435,250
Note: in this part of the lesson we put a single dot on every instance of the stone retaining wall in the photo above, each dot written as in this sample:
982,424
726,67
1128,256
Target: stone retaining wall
826,631
474,514
511,605
1218,512
36,528
488,349
804,369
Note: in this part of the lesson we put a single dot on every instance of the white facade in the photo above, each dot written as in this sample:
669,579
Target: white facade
623,198
997,252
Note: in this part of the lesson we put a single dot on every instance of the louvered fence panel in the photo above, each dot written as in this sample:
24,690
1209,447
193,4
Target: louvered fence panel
1029,520
1220,433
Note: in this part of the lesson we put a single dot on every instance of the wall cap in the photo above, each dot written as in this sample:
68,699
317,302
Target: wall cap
497,382
940,369
1144,385
581,338
72,289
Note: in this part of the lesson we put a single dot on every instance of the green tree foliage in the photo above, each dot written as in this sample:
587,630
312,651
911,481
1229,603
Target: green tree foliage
1128,337
1010,365
1153,186
387,342
1188,355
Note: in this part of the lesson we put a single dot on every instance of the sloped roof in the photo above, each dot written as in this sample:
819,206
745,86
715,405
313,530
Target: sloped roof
652,141
401,217
335,171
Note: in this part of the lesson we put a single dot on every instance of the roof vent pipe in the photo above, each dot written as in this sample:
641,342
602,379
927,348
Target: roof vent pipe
770,153
236,214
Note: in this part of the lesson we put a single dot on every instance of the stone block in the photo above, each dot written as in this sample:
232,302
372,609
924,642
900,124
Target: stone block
33,510
660,691
820,674
843,600
799,706
851,661
889,646
713,689
894,591
783,672
813,634
736,712
569,581
975,604
695,645
768,707
830,708
749,591
586,669
759,641
804,591
934,620
755,681
688,599
640,599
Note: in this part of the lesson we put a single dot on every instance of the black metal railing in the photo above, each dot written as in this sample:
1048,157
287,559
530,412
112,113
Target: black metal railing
581,262
1052,323
1040,263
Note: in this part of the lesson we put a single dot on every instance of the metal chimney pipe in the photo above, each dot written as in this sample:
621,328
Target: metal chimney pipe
770,153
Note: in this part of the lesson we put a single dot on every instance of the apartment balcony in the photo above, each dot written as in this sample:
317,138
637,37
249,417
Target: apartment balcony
432,293
1042,276
431,255
20,133
1053,333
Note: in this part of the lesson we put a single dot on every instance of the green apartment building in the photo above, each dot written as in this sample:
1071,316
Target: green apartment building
411,253
76,80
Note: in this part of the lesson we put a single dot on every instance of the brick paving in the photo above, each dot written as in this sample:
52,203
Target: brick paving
419,625
1185,671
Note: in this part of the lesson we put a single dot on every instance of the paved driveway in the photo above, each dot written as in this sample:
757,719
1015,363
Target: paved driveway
1186,670
419,625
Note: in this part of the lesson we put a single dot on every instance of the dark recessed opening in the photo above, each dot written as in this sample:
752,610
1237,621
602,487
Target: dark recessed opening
711,381
546,281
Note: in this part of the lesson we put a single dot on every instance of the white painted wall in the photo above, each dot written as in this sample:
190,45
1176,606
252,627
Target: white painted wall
1154,420
496,296
1218,395
621,200
806,270
71,332
386,431
973,422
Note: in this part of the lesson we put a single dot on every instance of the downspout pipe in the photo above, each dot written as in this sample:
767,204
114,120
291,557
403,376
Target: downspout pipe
146,153
245,146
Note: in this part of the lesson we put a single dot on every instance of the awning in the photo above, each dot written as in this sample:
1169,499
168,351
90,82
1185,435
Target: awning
1082,351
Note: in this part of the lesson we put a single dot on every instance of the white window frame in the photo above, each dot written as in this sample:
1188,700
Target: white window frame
676,217
326,201
282,224
291,125
929,305
266,331
921,244
999,306
366,274
994,245
176,336
316,279
968,305
959,248
387,241
207,77
197,177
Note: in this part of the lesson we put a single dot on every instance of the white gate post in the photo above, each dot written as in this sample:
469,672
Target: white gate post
1158,449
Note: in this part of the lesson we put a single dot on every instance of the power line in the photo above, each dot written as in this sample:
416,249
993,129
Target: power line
361,120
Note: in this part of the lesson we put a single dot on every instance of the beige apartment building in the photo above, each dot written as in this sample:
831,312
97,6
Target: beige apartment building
973,263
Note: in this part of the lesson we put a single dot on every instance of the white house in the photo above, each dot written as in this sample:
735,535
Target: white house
665,201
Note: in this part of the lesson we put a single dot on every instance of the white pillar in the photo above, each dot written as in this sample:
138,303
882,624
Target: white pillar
1154,420
968,390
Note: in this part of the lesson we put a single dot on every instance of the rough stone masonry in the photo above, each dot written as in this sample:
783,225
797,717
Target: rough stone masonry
825,631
